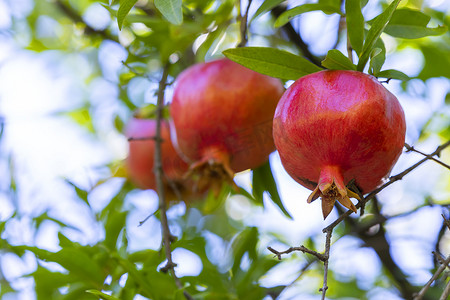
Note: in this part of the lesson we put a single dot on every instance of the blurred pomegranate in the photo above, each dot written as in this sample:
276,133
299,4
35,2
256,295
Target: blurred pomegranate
332,127
140,160
222,113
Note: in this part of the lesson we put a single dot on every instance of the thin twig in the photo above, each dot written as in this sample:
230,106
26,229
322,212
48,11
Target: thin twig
145,138
76,18
412,149
167,236
302,248
446,292
439,258
295,37
349,49
446,221
141,74
391,180
329,229
325,263
244,26
433,278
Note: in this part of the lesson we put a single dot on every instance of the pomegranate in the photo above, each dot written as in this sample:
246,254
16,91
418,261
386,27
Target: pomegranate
332,127
140,160
222,113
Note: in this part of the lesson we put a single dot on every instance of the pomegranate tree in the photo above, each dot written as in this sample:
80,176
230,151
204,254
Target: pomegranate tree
222,113
335,126
140,160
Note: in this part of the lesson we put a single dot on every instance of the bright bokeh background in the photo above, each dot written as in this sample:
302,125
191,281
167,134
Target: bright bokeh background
44,146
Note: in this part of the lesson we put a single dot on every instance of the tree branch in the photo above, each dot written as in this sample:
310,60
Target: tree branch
373,241
412,149
167,236
76,18
441,269
325,263
295,37
391,180
244,26
302,248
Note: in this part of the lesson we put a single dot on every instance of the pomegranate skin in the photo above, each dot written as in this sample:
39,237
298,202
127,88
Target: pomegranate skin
334,126
140,160
223,114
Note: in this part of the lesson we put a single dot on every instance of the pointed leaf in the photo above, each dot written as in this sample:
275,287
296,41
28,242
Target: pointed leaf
377,58
355,24
114,225
393,74
102,295
245,242
82,194
293,12
376,62
124,9
375,32
265,7
410,24
272,62
414,32
171,10
263,181
335,60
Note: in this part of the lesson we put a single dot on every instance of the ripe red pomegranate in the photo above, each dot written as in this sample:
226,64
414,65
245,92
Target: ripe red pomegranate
140,160
222,113
334,126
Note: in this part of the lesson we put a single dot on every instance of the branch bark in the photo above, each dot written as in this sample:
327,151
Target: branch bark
295,37
244,26
166,234
76,18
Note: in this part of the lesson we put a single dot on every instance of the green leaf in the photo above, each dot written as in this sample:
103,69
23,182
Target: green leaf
245,242
114,225
376,63
75,260
437,60
124,9
137,276
410,24
355,24
82,117
82,194
335,60
393,74
374,34
263,181
409,17
171,10
102,295
293,12
265,7
272,62
212,37
413,32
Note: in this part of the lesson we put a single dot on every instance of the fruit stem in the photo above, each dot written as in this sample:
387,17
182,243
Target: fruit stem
330,188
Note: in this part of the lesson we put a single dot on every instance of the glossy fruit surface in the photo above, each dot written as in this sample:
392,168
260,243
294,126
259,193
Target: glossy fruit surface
334,126
223,113
140,160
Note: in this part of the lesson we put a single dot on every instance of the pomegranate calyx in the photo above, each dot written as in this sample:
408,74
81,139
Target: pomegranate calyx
331,188
211,171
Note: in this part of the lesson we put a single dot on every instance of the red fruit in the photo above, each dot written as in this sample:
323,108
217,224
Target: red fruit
223,116
140,160
334,126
